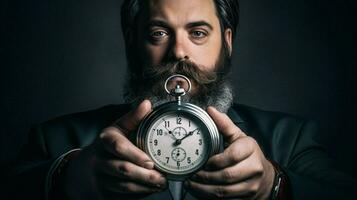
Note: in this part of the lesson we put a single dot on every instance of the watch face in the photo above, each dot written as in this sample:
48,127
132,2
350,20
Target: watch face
178,143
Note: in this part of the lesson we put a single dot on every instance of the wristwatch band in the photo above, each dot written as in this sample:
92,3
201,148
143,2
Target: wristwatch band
55,170
279,183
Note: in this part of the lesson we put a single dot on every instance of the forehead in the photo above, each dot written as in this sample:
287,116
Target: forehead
182,11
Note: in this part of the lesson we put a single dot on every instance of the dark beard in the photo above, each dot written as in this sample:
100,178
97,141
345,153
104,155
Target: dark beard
213,88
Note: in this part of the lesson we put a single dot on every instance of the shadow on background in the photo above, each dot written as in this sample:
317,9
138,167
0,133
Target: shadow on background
64,56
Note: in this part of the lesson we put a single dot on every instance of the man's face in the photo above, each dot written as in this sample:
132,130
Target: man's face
174,30
180,37
179,29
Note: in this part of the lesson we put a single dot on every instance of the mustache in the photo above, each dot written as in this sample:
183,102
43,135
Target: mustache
187,68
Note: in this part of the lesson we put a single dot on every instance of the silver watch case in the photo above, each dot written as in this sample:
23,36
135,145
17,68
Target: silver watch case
187,110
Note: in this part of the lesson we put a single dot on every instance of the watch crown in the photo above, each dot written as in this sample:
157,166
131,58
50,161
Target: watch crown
179,91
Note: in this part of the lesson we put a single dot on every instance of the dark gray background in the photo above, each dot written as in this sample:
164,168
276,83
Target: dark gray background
295,56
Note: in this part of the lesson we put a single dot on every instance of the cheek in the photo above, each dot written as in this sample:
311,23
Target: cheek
207,55
154,54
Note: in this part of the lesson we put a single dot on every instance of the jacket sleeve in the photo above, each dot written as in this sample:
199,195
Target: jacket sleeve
310,170
51,139
28,175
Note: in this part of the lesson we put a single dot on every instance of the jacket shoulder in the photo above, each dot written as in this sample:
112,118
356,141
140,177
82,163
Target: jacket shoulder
281,136
256,115
96,117
76,130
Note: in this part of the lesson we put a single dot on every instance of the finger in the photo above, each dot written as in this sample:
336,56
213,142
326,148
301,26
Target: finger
241,149
115,185
244,170
121,147
129,171
227,128
242,190
130,121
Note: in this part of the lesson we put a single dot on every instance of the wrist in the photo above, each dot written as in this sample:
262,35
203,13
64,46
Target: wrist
280,189
56,176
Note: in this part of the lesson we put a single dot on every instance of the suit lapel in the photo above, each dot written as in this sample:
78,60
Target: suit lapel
236,119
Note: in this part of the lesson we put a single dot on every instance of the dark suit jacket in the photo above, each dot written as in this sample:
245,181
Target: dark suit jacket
290,141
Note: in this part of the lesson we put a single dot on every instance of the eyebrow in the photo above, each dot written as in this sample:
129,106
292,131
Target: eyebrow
189,25
199,23
158,23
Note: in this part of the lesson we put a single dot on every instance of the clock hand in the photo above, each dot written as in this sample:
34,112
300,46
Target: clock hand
178,141
172,135
170,132
195,130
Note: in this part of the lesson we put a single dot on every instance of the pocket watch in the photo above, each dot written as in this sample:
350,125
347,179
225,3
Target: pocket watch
179,137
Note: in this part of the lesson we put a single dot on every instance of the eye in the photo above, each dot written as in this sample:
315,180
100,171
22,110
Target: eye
157,35
198,34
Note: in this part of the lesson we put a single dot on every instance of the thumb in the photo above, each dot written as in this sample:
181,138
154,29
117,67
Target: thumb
226,127
130,121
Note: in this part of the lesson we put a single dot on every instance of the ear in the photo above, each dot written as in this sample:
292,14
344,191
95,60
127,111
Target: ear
228,39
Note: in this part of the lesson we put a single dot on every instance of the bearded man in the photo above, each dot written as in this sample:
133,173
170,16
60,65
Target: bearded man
90,155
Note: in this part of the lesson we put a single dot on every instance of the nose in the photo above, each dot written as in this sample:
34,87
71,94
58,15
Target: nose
179,48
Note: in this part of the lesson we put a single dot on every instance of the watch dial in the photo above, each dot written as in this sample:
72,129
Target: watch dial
178,143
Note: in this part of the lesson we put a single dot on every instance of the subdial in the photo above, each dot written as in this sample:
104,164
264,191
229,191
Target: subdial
179,132
178,154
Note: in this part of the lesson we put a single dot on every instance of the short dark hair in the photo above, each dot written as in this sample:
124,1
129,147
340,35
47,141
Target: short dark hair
227,12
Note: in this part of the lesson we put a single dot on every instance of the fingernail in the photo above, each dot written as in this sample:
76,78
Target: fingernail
161,186
149,165
212,109
164,184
